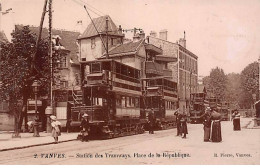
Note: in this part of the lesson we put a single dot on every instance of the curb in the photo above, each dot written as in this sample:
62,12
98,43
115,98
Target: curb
22,147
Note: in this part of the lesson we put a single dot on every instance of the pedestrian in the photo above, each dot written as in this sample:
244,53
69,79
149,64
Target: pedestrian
184,128
178,123
216,126
236,120
56,128
85,128
68,125
151,121
36,125
206,124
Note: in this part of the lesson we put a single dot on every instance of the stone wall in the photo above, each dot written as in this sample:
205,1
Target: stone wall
6,122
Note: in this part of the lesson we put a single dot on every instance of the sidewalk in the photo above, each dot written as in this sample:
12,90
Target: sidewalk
250,125
27,140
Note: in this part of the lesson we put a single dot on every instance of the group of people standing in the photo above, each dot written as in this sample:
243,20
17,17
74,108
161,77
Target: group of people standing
211,122
212,125
181,122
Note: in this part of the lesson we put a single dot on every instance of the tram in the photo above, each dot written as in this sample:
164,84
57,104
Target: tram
197,107
111,94
160,95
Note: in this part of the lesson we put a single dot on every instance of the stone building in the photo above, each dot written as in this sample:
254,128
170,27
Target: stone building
92,44
185,70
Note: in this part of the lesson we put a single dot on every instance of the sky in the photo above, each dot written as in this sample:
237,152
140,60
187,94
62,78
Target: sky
223,33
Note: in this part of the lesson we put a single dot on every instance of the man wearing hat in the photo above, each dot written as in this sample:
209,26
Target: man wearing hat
85,127
178,123
207,124
151,121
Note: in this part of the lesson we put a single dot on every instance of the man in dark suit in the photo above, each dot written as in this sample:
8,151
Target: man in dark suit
151,121
178,122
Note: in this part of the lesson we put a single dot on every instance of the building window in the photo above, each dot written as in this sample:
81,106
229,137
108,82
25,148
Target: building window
64,84
4,106
63,62
93,43
113,41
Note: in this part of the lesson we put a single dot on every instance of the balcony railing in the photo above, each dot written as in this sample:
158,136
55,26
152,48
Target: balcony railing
153,68
167,72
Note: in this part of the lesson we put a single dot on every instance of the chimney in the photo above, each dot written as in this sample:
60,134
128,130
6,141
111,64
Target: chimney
136,37
142,35
182,41
163,34
153,34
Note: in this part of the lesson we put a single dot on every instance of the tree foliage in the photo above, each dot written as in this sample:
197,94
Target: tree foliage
218,83
233,89
16,74
249,84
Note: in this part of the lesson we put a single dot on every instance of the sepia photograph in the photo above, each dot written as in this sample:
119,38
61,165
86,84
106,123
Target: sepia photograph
129,82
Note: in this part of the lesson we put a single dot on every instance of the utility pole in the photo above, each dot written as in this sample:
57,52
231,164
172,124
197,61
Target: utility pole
259,77
50,45
107,56
49,109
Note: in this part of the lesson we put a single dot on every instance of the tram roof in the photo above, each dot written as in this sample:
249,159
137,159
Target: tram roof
107,60
158,77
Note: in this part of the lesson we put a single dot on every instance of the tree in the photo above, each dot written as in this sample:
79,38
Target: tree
217,83
16,74
233,89
249,85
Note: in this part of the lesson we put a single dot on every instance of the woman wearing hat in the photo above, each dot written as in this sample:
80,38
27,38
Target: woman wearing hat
85,127
216,135
56,128
236,120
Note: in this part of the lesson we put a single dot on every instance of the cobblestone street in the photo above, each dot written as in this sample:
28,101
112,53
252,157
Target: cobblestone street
163,147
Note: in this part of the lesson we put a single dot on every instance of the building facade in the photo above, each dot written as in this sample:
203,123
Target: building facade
93,44
185,69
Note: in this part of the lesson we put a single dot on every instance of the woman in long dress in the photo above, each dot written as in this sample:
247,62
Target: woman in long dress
236,120
216,127
56,128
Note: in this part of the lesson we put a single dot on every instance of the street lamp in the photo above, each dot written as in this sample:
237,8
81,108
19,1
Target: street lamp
36,86
36,124
254,98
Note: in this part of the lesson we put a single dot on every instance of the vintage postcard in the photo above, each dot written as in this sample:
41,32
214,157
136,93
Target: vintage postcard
129,82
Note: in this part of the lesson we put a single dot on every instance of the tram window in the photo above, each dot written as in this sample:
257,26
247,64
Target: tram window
136,74
124,71
128,102
118,101
95,67
155,102
100,101
118,68
137,104
131,72
87,69
133,102
106,66
123,101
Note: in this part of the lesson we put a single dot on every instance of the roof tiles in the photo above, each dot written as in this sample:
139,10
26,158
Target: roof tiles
100,24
